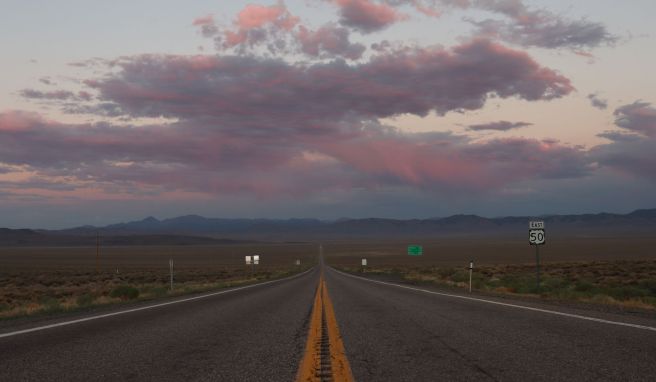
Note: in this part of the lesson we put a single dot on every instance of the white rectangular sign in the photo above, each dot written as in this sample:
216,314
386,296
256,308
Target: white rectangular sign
536,224
248,260
256,259
298,262
364,262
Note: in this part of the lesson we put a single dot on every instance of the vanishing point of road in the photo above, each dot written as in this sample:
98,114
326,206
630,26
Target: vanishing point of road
325,325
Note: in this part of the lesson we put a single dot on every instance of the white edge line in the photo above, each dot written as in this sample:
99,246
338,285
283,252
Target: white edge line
66,323
643,327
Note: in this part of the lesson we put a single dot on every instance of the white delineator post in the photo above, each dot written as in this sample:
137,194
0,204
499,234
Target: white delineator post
471,270
171,273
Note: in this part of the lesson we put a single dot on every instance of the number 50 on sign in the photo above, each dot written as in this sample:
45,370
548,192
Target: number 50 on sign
536,236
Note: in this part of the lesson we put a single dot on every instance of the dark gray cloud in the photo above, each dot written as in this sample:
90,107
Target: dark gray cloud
597,102
639,117
628,154
367,16
519,24
499,126
631,152
55,95
329,41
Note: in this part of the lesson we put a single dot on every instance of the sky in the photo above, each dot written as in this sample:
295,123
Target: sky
114,111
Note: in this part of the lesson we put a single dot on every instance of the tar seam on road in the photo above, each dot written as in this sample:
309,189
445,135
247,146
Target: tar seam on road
324,359
580,317
66,323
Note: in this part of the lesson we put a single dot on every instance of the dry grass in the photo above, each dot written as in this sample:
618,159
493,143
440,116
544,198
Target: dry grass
47,280
630,284
604,270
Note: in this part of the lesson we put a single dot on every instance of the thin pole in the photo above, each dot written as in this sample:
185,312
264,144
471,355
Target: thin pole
97,250
171,272
471,269
537,265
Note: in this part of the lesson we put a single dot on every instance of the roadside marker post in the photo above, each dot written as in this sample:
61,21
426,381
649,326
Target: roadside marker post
364,264
249,261
171,273
536,237
97,251
471,270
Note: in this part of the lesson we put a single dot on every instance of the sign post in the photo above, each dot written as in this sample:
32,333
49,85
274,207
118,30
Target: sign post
364,264
256,261
536,237
249,261
471,270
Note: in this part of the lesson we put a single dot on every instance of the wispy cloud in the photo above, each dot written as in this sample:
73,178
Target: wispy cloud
499,126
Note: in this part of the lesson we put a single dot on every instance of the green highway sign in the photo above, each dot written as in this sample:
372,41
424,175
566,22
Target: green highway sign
415,250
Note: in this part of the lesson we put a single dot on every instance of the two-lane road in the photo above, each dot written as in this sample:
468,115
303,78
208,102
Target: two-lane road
389,333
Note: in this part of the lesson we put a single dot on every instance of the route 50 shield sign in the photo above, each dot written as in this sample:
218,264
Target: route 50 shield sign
536,236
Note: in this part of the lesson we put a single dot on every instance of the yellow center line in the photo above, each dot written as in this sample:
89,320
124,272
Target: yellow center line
310,366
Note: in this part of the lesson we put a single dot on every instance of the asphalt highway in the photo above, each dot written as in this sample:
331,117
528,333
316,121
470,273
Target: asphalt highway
390,333
400,334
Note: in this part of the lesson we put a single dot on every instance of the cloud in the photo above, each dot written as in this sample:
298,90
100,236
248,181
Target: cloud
46,81
198,156
631,152
639,117
499,126
545,30
309,127
330,40
414,81
541,28
48,95
274,29
597,102
518,24
208,27
258,24
367,16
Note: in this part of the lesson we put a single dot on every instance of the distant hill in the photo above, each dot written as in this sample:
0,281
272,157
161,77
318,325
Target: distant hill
27,237
194,224
637,222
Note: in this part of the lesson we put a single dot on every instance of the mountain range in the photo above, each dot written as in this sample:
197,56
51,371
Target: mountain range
194,229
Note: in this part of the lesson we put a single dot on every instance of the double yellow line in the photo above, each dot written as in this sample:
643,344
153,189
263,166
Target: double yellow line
323,317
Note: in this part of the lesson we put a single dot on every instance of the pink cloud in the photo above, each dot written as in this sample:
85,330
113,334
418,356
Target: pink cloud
208,27
257,16
410,81
366,15
16,120
199,156
257,24
203,20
